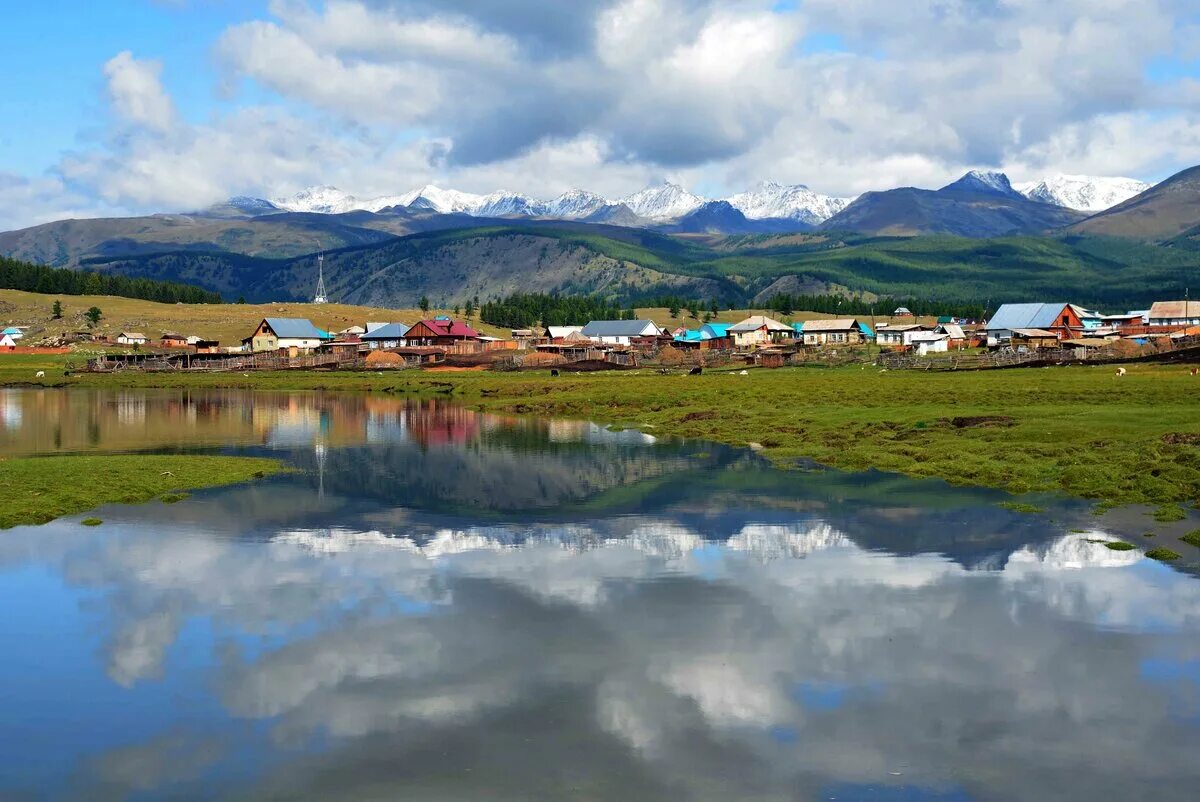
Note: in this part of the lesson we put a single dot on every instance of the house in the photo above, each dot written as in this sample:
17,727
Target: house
929,342
278,333
523,336
838,331
622,332
898,336
372,325
1063,319
132,338
205,346
559,333
353,331
389,335
438,331
1033,338
759,330
1174,314
957,335
172,340
7,342
902,311
14,332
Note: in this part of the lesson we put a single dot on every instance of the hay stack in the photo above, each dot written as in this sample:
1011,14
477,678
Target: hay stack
384,359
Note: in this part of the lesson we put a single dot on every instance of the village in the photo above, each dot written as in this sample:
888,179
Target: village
1020,333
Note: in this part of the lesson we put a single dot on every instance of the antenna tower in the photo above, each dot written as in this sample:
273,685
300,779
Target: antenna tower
320,297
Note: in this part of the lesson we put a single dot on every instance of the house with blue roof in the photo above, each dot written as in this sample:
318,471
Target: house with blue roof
621,332
285,333
1063,319
389,335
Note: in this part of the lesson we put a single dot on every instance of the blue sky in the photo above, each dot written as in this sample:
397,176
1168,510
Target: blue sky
127,106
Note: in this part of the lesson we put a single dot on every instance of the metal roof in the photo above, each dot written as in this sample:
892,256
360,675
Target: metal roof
1025,316
838,324
621,328
298,328
715,330
689,336
1175,309
756,322
555,332
388,331
954,330
1034,332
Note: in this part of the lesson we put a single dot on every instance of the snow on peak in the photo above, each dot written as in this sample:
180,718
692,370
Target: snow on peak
663,202
575,204
320,200
769,199
1084,193
507,204
443,201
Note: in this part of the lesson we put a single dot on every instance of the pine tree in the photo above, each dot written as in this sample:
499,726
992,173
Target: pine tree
423,303
93,316
56,310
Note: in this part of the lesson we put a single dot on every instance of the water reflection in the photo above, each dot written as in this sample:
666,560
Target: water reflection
667,620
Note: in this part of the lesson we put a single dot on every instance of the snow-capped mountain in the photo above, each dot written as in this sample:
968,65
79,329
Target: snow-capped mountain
780,201
663,202
508,204
321,200
442,201
1084,193
576,204
984,181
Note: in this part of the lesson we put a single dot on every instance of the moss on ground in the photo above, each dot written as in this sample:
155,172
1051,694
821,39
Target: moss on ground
1162,554
40,489
1169,513
1192,538
1021,506
1118,545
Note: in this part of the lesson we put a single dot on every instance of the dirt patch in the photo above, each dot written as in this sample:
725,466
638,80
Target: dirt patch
978,421
1182,438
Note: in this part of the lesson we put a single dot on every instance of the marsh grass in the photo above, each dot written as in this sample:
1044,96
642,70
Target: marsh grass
40,489
1192,538
1169,513
1071,430
1162,554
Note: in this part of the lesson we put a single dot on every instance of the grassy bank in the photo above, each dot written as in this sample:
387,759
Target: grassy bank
1078,430
40,489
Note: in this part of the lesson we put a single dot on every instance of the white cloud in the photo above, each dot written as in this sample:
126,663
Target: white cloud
137,94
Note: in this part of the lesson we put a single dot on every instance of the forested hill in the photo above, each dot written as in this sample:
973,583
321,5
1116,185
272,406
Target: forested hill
625,266
17,275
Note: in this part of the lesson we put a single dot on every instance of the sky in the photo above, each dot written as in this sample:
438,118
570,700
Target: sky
115,107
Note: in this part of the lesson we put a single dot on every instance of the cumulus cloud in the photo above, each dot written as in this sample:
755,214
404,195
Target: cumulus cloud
380,96
136,93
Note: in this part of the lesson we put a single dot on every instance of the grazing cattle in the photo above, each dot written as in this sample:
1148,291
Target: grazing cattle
1120,371
41,374
553,371
744,373
695,371
1195,371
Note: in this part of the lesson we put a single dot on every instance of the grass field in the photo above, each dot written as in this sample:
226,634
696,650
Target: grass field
40,489
1079,430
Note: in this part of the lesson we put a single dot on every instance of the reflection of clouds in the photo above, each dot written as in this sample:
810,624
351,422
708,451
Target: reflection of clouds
663,643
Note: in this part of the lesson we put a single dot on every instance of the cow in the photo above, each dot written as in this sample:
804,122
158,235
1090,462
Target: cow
1120,371
695,371
553,371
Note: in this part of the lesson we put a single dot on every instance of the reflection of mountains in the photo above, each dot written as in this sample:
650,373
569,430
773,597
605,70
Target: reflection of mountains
496,473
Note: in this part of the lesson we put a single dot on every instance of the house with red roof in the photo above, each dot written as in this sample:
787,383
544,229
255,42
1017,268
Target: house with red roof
439,331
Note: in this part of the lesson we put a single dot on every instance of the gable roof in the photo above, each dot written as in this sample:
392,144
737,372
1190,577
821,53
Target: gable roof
756,322
620,328
1175,309
690,336
555,332
1025,316
388,331
837,324
954,330
133,335
1033,333
715,330
297,328
7,339
444,327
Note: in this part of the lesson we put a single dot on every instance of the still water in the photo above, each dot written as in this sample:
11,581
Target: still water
448,605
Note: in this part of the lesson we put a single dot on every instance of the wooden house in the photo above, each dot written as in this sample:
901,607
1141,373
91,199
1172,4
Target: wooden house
172,340
438,331
285,333
1166,315
389,335
759,330
557,334
838,331
1033,338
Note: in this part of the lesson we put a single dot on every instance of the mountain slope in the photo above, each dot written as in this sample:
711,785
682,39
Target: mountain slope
664,202
977,205
1164,211
1083,193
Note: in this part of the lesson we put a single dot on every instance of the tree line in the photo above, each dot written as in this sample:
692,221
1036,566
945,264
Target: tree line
523,310
18,275
786,304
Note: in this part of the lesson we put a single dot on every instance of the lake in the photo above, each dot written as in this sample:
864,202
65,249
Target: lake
443,604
